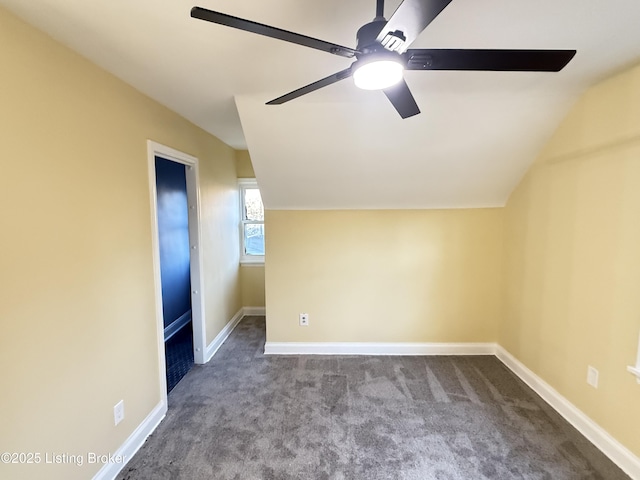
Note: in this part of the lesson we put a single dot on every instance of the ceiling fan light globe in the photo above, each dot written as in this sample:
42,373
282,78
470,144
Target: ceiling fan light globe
378,75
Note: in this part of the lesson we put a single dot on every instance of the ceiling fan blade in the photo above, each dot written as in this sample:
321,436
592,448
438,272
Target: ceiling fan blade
491,60
402,99
273,32
411,18
312,87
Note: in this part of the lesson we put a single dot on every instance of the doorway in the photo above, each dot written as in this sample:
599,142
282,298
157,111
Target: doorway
173,181
175,269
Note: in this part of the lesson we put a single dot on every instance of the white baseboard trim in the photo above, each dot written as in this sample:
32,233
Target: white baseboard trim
217,342
250,311
128,449
618,453
346,348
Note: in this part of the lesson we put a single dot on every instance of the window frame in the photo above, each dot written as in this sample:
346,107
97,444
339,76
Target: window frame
248,184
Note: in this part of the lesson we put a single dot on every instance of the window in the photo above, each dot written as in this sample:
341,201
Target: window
252,227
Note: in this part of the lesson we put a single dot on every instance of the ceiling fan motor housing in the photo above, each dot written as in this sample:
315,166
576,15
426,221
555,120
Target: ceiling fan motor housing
367,35
369,49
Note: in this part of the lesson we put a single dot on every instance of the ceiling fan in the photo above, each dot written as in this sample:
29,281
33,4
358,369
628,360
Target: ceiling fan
382,52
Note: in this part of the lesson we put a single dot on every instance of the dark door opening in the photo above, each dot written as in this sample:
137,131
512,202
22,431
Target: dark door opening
175,270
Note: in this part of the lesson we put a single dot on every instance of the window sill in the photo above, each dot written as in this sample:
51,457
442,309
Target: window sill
252,262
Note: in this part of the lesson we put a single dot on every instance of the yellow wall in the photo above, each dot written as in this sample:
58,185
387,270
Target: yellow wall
572,263
244,167
252,284
384,276
77,308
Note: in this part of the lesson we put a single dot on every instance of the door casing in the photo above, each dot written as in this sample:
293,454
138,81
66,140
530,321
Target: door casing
197,299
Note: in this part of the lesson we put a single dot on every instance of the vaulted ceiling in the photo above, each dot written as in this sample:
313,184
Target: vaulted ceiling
341,147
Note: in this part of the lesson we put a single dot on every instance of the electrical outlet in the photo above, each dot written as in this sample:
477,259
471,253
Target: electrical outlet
118,412
304,319
592,376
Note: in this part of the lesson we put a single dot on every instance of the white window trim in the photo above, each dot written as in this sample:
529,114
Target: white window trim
254,260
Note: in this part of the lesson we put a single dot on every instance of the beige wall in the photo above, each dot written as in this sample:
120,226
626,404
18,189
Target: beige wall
384,276
244,167
76,279
572,264
252,283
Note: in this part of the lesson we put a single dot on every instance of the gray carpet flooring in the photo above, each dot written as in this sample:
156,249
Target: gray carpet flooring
246,416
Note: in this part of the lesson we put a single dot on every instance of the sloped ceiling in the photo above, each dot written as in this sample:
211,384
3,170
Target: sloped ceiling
341,147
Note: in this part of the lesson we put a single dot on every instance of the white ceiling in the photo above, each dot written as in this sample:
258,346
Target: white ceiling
341,147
